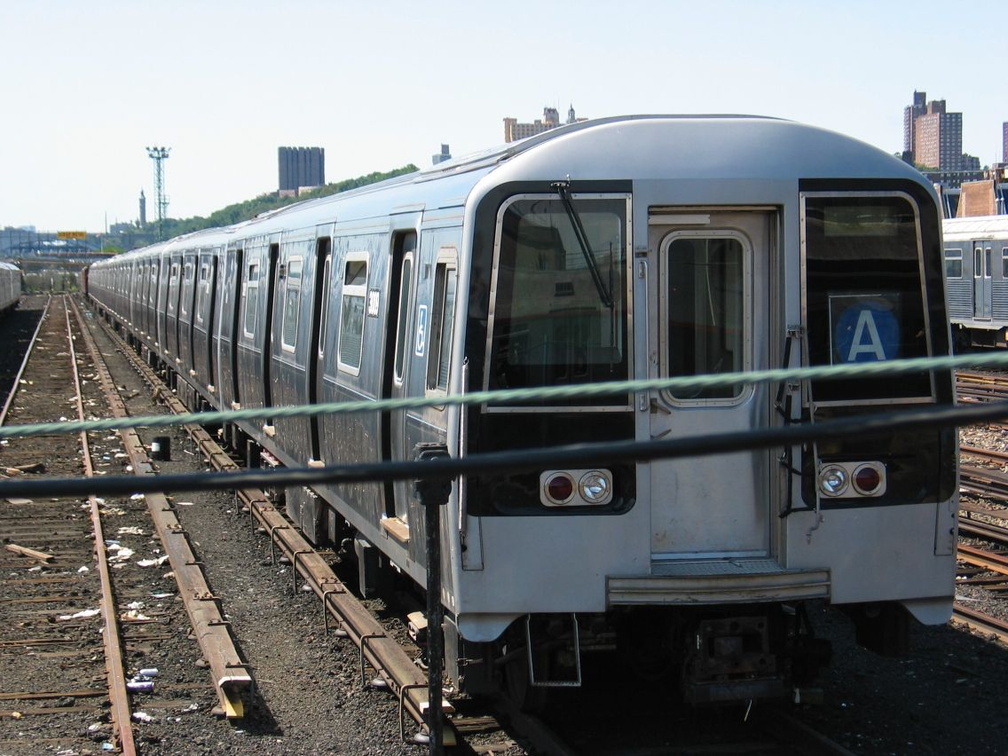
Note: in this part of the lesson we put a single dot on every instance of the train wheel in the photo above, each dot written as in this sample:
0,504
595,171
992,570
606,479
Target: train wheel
518,685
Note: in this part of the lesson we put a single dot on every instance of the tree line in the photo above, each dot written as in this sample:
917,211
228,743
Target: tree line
249,209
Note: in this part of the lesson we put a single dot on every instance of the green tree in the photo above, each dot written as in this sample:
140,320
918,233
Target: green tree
243,211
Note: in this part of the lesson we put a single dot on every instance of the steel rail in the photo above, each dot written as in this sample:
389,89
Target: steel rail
122,728
985,530
233,681
24,364
989,560
980,622
377,650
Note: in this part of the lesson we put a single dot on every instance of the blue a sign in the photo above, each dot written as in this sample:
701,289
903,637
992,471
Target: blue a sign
864,327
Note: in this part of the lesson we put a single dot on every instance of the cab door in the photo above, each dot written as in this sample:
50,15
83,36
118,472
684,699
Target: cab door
709,303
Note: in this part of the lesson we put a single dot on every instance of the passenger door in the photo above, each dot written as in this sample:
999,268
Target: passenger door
398,346
981,281
709,302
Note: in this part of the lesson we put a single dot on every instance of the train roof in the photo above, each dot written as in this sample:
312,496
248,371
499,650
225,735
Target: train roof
620,148
976,227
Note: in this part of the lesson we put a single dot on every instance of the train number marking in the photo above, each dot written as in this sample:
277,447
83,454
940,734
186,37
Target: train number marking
373,301
421,331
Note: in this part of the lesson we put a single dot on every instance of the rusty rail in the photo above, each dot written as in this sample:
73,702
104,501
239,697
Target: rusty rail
122,728
376,649
232,680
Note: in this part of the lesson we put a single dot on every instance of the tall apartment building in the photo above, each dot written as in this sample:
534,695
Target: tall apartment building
938,138
1004,142
932,138
514,131
910,113
300,168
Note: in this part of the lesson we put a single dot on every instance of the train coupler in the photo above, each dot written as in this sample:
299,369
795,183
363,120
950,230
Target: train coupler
730,660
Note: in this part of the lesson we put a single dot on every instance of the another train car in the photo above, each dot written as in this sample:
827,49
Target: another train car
10,286
976,275
626,248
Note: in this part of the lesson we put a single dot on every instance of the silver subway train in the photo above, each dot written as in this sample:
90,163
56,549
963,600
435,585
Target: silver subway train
617,249
10,286
976,275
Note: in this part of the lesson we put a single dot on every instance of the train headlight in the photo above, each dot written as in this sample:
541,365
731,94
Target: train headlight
853,479
595,487
833,480
575,488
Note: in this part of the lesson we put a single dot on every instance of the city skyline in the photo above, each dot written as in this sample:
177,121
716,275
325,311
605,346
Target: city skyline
95,84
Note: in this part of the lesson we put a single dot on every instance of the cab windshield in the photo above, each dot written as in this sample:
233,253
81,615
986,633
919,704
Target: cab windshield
552,323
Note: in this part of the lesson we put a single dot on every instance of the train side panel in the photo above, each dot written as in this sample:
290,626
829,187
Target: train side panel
976,273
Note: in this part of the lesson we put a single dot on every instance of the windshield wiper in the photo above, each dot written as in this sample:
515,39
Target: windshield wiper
563,188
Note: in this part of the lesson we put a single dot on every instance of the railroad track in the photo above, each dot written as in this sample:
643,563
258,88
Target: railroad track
59,598
93,639
986,567
976,386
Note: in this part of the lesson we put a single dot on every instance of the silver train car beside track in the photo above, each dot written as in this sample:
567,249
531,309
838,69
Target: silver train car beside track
623,248
976,276
10,286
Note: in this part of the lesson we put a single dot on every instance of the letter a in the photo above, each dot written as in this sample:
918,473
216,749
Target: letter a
866,324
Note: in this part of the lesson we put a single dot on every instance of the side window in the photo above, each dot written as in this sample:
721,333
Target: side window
251,299
351,334
953,263
442,322
1004,263
292,303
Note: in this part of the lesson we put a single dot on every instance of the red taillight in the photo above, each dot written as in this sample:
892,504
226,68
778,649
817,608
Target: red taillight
560,488
867,479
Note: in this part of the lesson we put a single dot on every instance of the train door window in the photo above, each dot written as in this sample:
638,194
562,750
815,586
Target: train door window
187,279
202,291
705,305
251,299
1004,263
172,286
442,321
292,304
981,262
953,263
405,289
322,252
351,334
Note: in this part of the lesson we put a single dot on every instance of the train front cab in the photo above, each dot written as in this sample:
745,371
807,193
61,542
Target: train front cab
705,563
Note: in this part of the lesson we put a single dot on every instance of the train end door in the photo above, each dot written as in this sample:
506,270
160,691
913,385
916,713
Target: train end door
709,303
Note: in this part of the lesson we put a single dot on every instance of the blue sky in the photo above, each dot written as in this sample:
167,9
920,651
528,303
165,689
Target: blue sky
223,83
